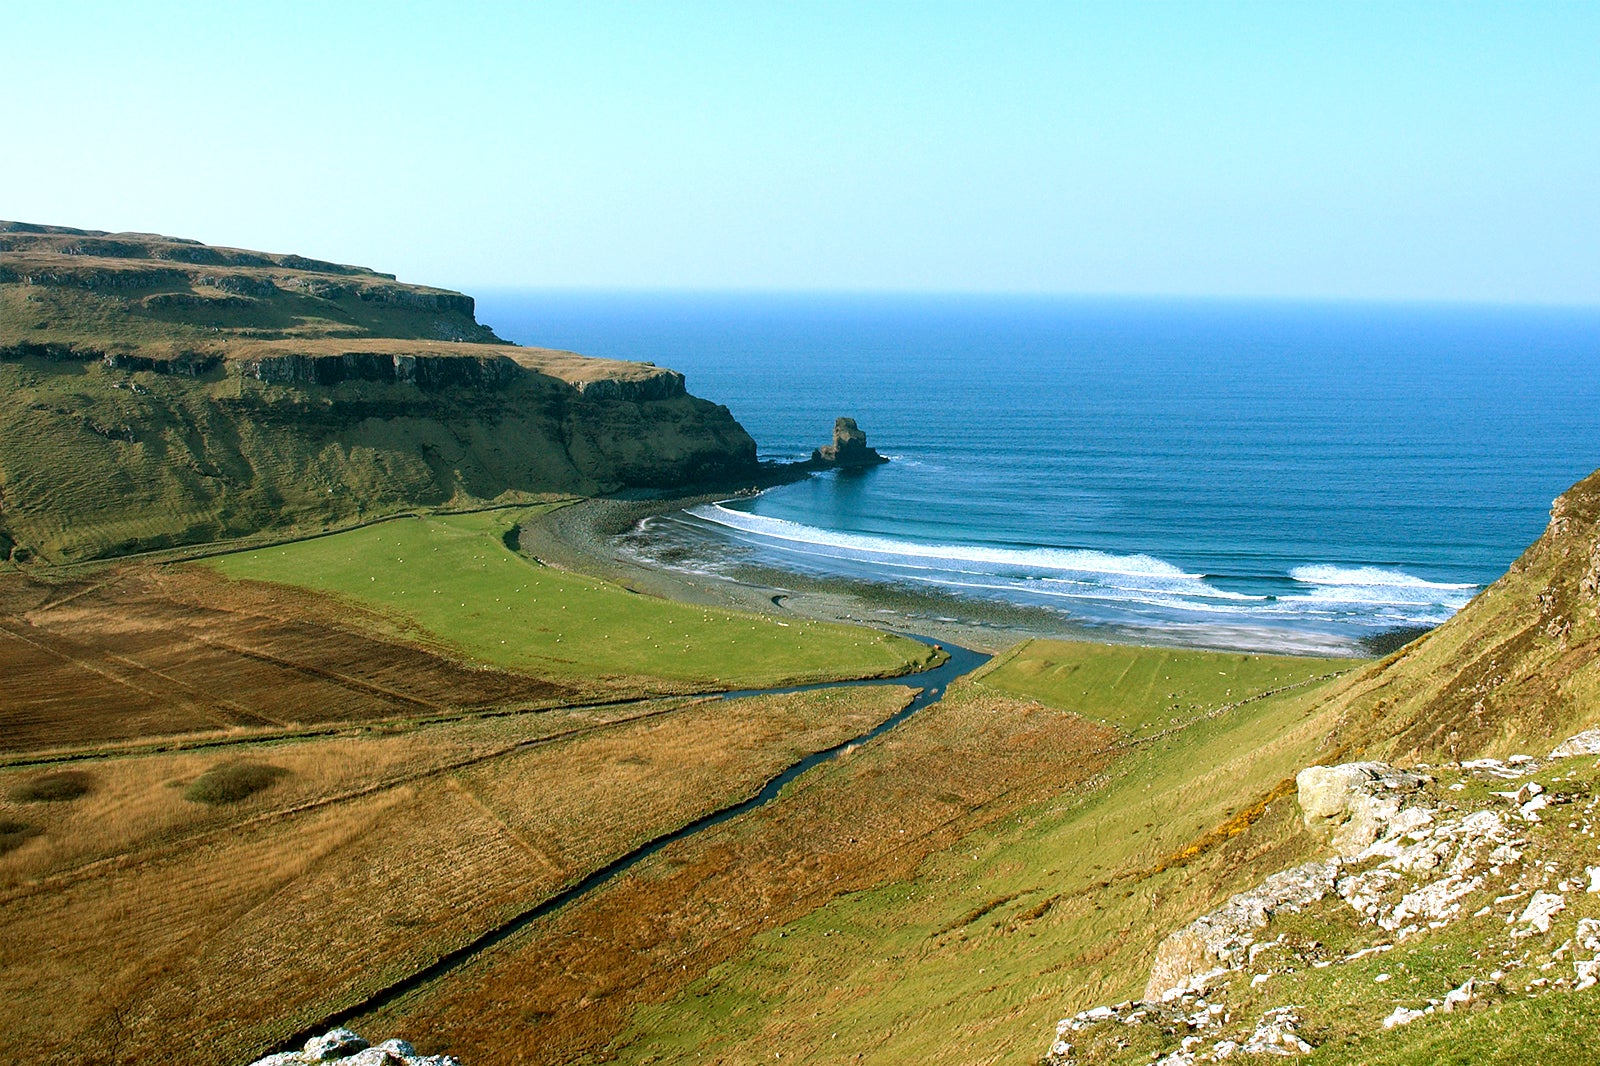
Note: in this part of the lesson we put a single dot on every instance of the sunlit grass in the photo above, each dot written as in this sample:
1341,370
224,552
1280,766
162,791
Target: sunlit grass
454,577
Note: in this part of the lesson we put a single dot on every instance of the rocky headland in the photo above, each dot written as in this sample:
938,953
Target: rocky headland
156,391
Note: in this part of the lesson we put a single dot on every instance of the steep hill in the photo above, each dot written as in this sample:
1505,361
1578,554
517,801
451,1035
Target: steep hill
1517,669
1449,906
158,391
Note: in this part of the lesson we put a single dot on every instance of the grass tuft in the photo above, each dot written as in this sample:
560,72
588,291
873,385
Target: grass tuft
54,788
231,782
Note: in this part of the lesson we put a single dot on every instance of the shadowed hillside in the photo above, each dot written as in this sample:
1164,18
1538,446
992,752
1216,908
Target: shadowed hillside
156,391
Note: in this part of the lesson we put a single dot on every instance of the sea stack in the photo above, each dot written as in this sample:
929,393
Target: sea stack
849,448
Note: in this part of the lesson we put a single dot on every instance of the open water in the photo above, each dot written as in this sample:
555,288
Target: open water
1249,474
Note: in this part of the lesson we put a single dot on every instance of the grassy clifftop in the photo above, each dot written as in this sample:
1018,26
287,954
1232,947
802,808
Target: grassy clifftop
158,391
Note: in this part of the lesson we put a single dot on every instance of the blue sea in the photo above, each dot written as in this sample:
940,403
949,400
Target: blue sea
1244,474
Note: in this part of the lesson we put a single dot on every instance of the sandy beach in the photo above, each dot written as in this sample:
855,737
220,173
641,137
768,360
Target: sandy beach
583,537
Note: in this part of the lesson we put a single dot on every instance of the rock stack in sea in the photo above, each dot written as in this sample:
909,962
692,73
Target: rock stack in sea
348,1049
849,448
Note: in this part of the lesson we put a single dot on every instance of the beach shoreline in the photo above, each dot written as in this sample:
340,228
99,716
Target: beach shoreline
584,537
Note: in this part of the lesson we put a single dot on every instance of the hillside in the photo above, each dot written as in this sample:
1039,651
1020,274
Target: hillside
1189,850
157,391
1449,907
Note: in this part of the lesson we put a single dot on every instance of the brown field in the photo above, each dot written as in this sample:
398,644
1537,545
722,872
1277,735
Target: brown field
140,652
138,922
564,989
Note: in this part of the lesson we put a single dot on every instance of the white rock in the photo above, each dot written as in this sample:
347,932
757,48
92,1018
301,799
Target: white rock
1354,804
1460,997
1541,908
1402,1016
346,1048
1220,941
1585,743
335,1044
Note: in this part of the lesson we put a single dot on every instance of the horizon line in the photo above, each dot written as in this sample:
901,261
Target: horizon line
1508,303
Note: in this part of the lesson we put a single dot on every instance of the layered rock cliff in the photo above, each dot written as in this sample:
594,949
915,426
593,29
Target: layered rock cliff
157,391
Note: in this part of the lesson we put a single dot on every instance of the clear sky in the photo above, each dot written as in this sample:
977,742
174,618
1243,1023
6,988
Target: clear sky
1397,151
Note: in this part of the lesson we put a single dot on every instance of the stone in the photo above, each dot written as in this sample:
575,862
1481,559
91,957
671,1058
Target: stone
346,1048
849,448
1353,804
335,1044
1541,909
1585,743
1221,940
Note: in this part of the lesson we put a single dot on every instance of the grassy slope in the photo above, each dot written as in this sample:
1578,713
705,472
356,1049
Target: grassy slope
1517,669
1061,903
1201,807
455,580
97,461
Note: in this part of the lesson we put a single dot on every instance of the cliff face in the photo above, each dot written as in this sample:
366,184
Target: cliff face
156,391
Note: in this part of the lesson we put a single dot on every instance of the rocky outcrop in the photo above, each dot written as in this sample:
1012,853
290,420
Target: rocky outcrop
1352,805
425,372
661,385
1222,939
849,448
1506,871
346,1048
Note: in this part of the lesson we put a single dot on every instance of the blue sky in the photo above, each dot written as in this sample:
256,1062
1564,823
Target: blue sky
1391,151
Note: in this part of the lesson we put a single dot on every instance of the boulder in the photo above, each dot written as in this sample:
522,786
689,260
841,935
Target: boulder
346,1048
1354,804
1585,743
1221,940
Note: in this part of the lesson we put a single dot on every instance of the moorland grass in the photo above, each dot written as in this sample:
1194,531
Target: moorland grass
1136,688
233,781
1056,907
58,787
454,578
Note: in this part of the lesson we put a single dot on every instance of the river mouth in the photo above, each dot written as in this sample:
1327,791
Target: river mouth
931,685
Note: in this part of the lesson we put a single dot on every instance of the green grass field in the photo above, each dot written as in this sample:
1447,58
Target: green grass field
454,578
1135,688
1055,907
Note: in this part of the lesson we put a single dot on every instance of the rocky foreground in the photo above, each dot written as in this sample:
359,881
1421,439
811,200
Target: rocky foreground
1451,889
349,1049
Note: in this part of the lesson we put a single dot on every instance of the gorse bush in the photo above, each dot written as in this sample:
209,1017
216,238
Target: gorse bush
54,788
231,782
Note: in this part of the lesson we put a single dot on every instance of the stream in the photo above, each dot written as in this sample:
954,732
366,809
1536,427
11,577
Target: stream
931,683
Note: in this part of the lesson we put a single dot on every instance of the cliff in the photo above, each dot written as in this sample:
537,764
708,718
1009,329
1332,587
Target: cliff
157,391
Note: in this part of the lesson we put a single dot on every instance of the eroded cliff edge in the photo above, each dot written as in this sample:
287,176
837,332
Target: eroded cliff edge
156,391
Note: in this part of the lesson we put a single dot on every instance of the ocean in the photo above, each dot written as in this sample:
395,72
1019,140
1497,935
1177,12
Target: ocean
1243,474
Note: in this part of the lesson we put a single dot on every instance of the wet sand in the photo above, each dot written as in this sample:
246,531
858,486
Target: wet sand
583,537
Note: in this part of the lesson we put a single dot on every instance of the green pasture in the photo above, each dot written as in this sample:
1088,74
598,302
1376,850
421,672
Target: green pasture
1054,907
453,578
1137,688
